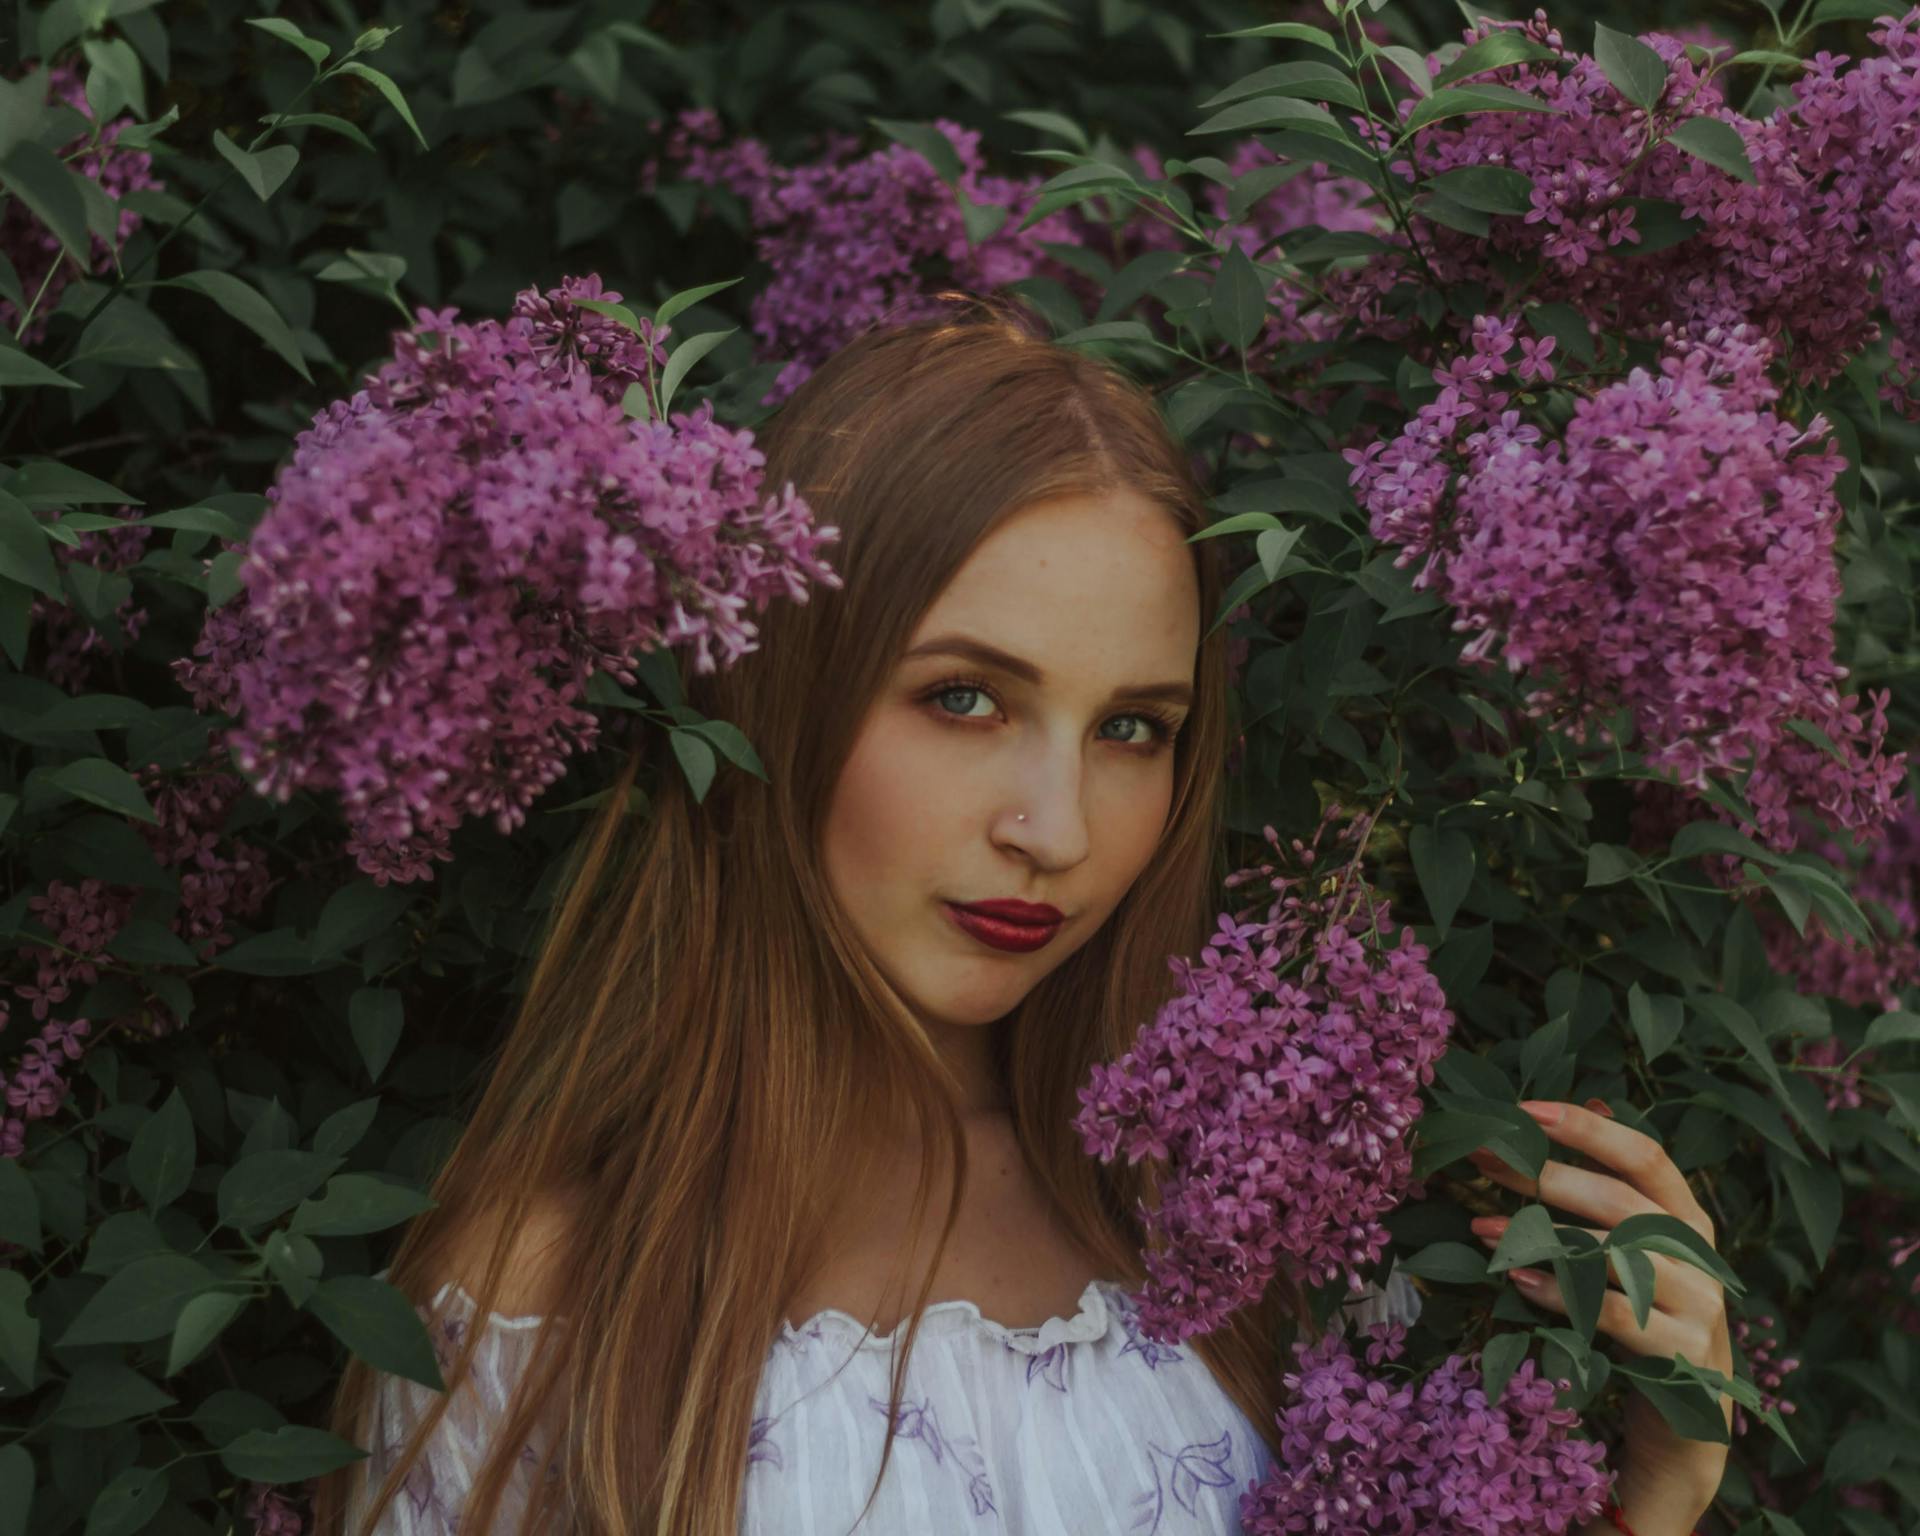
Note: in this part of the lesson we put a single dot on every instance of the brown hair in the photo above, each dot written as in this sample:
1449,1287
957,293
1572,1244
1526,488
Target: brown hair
669,1063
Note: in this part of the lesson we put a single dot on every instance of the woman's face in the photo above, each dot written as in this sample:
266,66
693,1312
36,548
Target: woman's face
1094,602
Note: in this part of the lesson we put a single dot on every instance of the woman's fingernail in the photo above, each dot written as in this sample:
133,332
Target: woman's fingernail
1489,1226
1527,1279
1543,1110
1487,1161
1599,1107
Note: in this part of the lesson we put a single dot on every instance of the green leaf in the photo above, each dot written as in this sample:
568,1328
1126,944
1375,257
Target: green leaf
1489,188
25,555
687,298
1499,1359
160,1158
388,89
1609,864
343,1130
1495,51
377,1322
1054,123
138,1302
19,1329
325,120
287,32
1464,101
1529,1239
199,1324
696,761
356,1203
104,1392
1818,1199
1717,143
1631,67
105,784
246,305
128,1503
681,360
51,193
1444,862
1636,1275
1865,1453
1268,112
49,483
290,1454
19,1206
278,952
374,1016
1294,32
1660,1233
16,1486
142,941
19,371
356,913
266,171
1657,1019
1740,1024
258,1188
1238,305
1451,1263
1893,1028
928,142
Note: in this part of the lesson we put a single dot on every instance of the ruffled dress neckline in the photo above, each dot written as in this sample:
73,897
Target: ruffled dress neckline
1092,1318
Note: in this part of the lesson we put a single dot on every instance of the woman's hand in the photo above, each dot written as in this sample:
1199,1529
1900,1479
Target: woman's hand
1667,1480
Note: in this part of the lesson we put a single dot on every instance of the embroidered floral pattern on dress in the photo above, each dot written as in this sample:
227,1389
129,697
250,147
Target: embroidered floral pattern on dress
1203,1464
1151,1351
1050,1365
760,1446
918,1422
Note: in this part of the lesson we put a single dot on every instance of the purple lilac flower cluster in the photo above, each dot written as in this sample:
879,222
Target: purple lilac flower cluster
1670,553
1279,1087
272,1512
451,553
1804,253
223,880
1363,1455
1759,1343
34,249
73,648
853,238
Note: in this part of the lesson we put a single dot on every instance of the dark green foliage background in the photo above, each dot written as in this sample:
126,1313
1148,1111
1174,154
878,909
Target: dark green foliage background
267,1152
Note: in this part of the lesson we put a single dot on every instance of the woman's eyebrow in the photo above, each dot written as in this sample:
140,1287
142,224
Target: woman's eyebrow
979,652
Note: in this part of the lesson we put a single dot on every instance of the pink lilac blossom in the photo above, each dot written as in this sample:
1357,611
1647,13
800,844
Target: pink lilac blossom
1804,253
34,249
1759,1342
1367,1455
1279,1089
222,880
1669,552
73,649
272,1512
453,552
853,239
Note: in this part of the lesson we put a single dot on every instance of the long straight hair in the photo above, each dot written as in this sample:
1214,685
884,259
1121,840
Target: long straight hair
702,1036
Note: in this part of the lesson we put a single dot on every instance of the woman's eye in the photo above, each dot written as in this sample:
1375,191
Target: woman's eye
948,693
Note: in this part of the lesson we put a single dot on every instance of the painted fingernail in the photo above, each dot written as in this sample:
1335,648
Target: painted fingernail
1489,1226
1600,1107
1545,1111
1487,1161
1527,1279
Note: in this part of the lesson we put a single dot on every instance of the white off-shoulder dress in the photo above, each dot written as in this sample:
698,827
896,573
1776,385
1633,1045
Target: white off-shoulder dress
1081,1426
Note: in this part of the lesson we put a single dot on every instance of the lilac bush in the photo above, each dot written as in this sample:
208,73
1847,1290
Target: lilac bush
453,552
1670,553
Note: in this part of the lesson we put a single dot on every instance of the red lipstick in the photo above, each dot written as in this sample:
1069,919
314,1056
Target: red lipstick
1020,926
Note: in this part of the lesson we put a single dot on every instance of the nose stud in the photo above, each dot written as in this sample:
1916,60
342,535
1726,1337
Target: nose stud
1021,817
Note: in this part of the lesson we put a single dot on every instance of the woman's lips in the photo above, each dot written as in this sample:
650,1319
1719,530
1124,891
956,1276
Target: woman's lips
1000,933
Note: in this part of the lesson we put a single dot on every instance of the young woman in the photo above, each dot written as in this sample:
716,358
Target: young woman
771,1214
